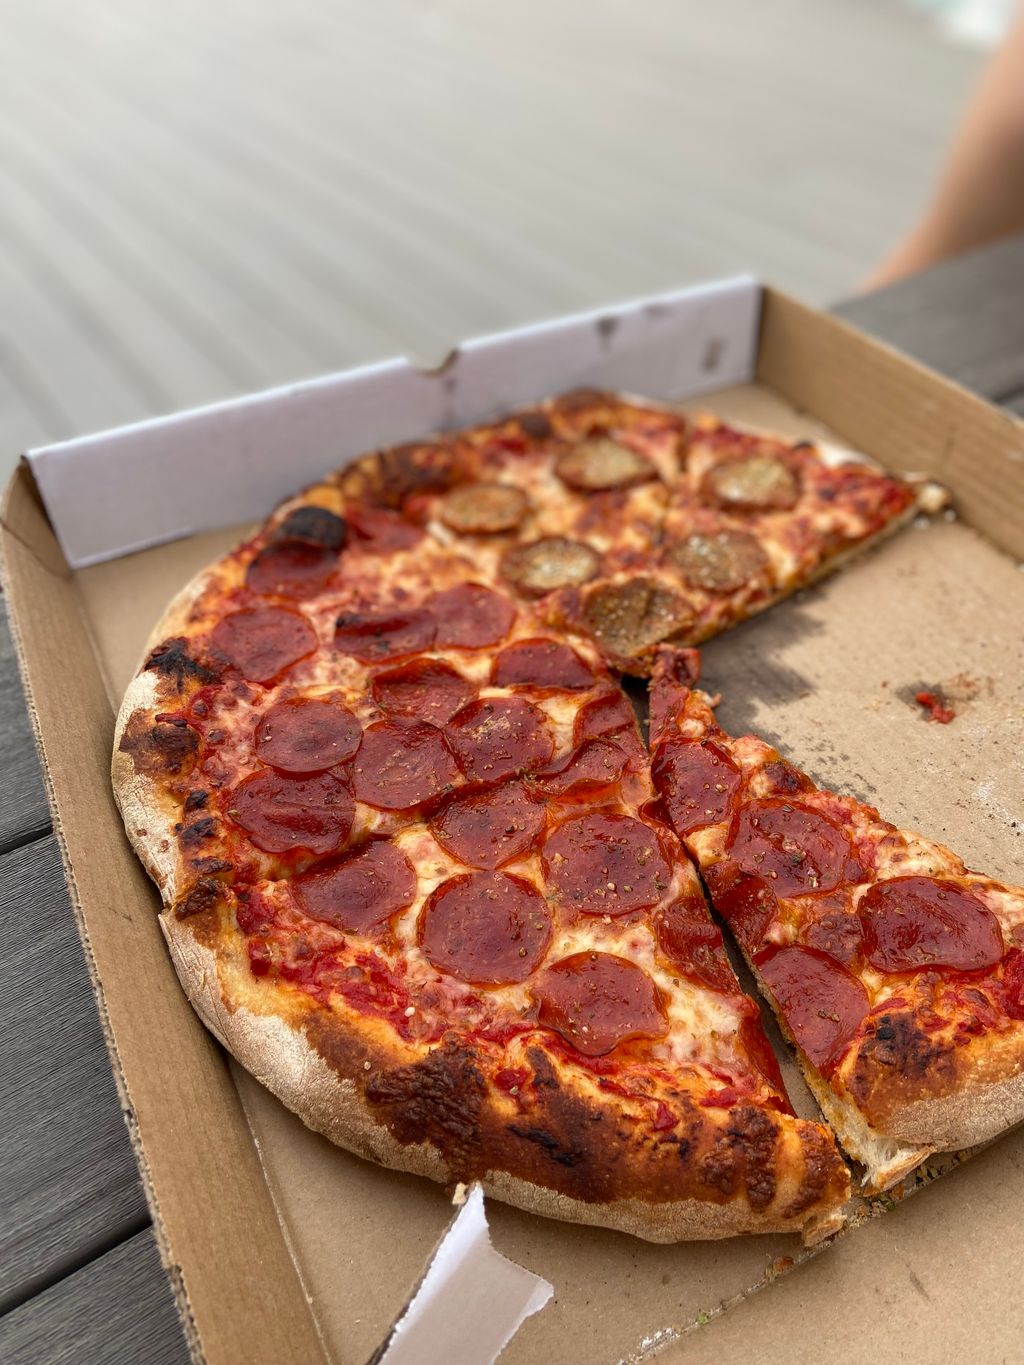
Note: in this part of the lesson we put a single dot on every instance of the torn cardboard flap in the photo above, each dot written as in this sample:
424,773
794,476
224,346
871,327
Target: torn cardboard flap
470,1302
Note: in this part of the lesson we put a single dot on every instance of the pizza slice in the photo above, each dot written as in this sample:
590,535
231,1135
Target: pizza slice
896,972
626,524
753,518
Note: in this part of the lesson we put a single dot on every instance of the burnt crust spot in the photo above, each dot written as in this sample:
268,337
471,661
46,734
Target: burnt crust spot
164,747
196,800
899,1044
535,425
823,1169
204,894
212,866
437,1100
899,1061
408,469
313,526
198,832
564,1156
744,1152
172,660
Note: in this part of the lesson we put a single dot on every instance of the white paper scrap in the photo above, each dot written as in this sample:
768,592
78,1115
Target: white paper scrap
471,1301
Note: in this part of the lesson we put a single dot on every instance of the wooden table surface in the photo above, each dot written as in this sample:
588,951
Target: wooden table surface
80,1278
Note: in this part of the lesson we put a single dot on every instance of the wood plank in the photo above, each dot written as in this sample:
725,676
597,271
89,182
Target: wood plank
965,318
116,1311
24,813
70,1185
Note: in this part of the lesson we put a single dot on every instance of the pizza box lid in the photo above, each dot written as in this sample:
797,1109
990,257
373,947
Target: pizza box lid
283,1248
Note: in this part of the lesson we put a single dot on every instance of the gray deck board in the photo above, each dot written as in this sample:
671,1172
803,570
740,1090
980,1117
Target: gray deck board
70,1186
116,1311
199,200
24,813
965,318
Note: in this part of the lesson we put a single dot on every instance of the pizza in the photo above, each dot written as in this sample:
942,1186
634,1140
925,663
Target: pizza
896,972
416,873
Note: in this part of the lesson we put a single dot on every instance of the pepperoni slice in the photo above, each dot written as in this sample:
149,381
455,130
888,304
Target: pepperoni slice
307,735
747,904
693,943
675,673
822,1003
372,637
754,1042
554,562
488,928
596,1001
379,531
596,765
541,664
535,424
606,864
795,850
284,814
471,616
401,764
262,642
630,616
837,934
697,781
601,463
293,569
609,715
491,827
915,923
361,892
481,509
1013,984
497,736
722,562
428,689
755,483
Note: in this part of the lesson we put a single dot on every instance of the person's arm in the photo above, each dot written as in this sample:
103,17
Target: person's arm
980,194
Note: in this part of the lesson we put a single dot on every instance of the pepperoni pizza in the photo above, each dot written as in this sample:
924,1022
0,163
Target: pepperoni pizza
414,869
896,971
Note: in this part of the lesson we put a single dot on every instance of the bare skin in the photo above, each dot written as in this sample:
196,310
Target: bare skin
980,194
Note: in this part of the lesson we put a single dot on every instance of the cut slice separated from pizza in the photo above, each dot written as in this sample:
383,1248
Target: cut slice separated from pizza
895,971
626,522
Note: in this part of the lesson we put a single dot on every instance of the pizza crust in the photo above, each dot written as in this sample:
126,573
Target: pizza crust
966,1118
279,1054
149,814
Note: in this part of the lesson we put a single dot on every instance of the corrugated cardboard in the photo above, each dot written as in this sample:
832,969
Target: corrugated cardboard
284,1248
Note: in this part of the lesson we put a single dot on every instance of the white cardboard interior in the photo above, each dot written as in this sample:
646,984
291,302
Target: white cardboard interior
470,1302
124,490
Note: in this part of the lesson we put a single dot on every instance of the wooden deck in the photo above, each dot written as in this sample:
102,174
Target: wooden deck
200,199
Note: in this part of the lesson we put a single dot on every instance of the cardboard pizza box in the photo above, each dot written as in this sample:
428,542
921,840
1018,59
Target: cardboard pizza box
282,1248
